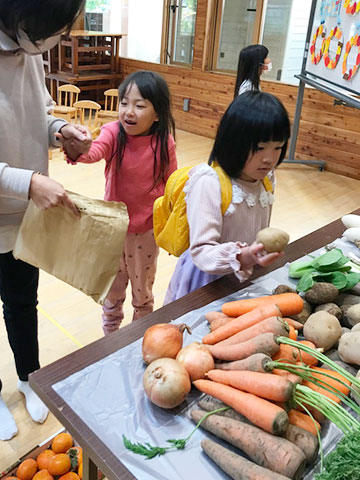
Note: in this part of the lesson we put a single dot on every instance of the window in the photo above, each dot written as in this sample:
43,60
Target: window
181,31
281,25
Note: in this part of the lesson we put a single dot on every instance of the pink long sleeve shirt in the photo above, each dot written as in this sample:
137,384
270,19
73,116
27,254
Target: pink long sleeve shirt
132,182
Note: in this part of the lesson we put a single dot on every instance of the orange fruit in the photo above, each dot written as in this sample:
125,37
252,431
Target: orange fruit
70,476
76,456
43,459
59,464
80,469
62,442
43,475
27,469
11,478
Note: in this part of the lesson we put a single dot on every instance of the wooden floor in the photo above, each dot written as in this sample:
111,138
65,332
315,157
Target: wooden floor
306,199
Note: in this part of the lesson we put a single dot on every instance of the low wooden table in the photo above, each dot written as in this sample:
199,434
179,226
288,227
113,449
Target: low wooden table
96,454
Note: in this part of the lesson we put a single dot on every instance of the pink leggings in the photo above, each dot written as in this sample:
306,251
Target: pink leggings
138,264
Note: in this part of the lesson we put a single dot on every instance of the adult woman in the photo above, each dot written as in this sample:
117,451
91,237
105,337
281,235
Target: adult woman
253,61
27,29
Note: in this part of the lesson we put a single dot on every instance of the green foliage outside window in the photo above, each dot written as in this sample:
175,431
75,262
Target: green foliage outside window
97,5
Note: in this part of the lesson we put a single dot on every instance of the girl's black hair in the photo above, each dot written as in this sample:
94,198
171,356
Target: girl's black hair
250,60
154,88
251,118
39,19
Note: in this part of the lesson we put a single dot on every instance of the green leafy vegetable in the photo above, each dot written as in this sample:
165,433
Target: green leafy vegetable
343,463
330,267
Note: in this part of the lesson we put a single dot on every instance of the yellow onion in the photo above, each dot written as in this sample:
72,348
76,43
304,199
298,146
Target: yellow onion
197,360
166,382
163,340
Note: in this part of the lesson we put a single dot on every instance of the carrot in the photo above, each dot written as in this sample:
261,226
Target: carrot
241,323
303,420
305,440
211,316
219,322
297,325
302,438
290,376
305,357
289,459
264,343
259,411
286,353
333,385
292,332
265,385
289,304
236,466
254,363
273,325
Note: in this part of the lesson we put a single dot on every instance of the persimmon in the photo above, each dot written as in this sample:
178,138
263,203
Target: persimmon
76,456
27,469
70,476
43,458
59,464
80,471
43,475
62,442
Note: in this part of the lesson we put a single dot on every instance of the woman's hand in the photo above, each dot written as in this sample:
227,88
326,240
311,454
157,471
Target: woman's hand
75,139
255,254
47,193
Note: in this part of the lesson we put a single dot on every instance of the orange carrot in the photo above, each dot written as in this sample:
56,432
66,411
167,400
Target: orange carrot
259,411
241,323
289,304
297,325
334,385
265,385
303,420
305,357
211,316
292,332
219,322
286,354
255,363
273,325
264,343
290,376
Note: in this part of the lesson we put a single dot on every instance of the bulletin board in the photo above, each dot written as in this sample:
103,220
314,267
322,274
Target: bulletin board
333,53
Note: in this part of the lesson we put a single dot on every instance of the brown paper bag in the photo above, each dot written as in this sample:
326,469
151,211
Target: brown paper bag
85,252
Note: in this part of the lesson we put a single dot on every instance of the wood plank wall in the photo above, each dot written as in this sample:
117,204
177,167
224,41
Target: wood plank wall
327,132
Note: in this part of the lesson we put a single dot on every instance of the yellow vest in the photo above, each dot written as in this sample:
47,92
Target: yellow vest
171,229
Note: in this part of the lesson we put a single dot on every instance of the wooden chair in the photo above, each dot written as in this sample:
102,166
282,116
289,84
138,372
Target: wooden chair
110,113
87,114
67,95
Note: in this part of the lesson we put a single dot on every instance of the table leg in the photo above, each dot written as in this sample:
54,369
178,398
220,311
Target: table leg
90,471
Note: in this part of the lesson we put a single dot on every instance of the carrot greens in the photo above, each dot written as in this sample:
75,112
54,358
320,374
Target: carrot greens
150,451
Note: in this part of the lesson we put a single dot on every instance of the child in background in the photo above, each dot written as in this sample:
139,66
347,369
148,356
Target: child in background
251,141
139,151
253,61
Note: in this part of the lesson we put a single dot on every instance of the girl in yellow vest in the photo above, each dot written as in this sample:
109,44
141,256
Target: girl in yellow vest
251,142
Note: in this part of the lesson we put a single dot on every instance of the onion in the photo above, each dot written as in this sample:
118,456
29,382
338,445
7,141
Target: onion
166,382
197,360
163,340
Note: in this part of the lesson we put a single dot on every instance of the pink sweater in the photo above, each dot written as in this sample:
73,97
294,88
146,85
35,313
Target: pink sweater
131,183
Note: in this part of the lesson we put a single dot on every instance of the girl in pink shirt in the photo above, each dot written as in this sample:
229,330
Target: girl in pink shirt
139,151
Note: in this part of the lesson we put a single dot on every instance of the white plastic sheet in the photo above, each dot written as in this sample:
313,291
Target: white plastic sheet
109,397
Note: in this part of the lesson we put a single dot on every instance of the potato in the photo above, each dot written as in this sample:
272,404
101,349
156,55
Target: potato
273,239
283,289
353,314
355,328
331,308
304,314
321,292
349,348
347,299
322,329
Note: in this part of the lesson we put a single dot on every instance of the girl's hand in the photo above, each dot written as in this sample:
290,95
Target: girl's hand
255,254
75,139
47,193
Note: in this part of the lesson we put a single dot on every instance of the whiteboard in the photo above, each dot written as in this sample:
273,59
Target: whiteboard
334,46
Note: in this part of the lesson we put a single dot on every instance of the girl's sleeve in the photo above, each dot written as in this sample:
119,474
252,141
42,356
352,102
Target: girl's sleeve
101,148
205,223
173,165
